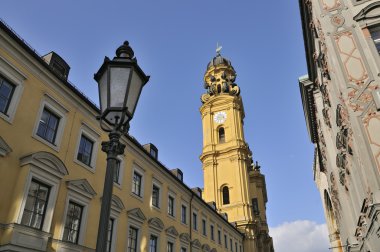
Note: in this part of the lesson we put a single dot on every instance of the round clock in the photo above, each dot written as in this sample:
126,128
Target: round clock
220,117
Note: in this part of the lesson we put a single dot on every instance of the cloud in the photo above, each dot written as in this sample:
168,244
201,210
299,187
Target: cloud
300,236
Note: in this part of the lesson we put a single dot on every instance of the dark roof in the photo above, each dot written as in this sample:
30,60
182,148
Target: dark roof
306,84
307,88
308,39
73,88
219,60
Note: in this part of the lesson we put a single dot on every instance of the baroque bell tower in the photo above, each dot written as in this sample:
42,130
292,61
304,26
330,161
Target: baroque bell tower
231,179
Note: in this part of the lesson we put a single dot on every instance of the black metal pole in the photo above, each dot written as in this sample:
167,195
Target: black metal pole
113,148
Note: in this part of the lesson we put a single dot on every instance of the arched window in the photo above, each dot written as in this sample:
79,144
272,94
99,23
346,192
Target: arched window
222,136
226,195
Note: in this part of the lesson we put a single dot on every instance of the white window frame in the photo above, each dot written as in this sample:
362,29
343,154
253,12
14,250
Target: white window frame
171,240
49,180
140,171
84,202
184,247
192,220
158,184
225,238
121,172
114,230
17,78
173,195
135,225
187,213
219,230
116,209
94,136
204,232
212,231
60,111
156,234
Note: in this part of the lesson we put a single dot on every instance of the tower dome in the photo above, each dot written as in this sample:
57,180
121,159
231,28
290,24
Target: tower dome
219,60
219,78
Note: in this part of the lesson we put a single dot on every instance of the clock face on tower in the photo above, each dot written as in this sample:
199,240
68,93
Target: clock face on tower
220,117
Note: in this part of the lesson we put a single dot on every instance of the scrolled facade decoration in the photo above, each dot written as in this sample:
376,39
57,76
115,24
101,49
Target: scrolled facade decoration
331,5
337,20
343,144
343,165
322,146
341,116
344,140
322,62
325,94
326,116
335,199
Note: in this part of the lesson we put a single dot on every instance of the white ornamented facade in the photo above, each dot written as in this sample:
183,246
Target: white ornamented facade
341,101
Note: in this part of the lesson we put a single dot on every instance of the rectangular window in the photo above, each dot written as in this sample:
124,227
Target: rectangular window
170,247
6,92
232,249
153,153
85,150
109,235
236,247
136,184
183,249
153,244
240,248
48,126
212,232
225,241
219,237
183,214
156,196
204,229
132,239
35,206
116,172
73,221
171,205
195,221
180,175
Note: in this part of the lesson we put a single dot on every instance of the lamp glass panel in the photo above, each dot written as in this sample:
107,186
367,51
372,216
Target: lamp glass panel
118,85
103,91
134,92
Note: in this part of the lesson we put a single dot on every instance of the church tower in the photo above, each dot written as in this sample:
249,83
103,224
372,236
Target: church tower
231,180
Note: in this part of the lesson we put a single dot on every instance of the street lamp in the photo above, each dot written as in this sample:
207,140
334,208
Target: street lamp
120,82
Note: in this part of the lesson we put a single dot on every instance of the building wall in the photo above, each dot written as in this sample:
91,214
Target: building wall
25,156
339,98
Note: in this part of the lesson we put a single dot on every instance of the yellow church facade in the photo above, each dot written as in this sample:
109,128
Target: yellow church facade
52,173
231,179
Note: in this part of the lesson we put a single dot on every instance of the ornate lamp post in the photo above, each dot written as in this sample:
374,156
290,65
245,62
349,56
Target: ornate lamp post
120,83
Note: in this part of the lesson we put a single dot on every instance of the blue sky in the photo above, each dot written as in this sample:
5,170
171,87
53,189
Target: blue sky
173,41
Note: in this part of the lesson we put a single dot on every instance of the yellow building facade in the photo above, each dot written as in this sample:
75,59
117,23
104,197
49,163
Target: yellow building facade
52,173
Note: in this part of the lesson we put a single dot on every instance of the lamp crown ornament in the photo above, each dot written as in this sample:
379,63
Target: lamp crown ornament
125,51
